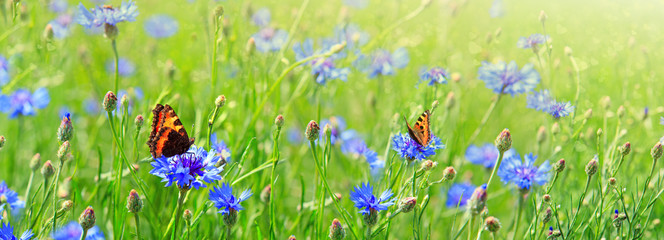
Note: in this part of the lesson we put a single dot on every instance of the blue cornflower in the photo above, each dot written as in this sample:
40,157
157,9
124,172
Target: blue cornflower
58,6
337,127
523,173
485,155
507,78
434,75
411,150
458,194
533,41
543,101
223,198
161,26
350,33
323,69
365,201
352,144
221,148
22,102
261,17
4,71
125,67
61,26
383,62
193,168
270,39
497,9
100,15
10,197
359,4
73,231
7,232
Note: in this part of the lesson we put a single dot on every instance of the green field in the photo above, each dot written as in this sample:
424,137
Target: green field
363,76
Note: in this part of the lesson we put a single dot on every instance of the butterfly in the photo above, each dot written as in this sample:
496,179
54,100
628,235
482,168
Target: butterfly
168,137
421,132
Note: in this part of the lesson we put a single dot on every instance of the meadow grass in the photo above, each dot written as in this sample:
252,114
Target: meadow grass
600,56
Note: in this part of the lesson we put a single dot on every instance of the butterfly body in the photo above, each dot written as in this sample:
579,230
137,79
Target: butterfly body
168,136
420,132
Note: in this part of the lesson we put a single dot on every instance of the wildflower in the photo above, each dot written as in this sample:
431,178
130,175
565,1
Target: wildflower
338,125
161,26
485,155
193,168
591,167
434,75
106,15
354,145
497,9
533,41
270,39
458,194
312,131
125,67
223,198
4,71
503,141
542,101
411,150
73,231
221,148
365,201
24,103
323,69
383,62
87,219
10,197
61,26
477,201
553,234
66,129
523,173
407,204
134,202
503,78
337,231
261,17
7,232
492,224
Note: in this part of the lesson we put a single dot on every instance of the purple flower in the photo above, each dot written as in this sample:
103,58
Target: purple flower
7,232
411,150
523,173
22,102
221,148
73,231
193,168
100,15
58,6
383,62
485,155
542,101
533,41
223,198
10,197
337,126
352,144
126,68
435,75
161,26
323,69
261,17
507,78
61,26
270,39
365,200
458,194
4,71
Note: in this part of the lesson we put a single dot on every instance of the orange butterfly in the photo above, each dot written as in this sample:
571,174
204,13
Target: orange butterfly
421,133
168,137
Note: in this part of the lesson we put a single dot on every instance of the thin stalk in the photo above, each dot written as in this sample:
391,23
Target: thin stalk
272,186
85,234
213,58
578,208
517,221
486,116
470,228
117,65
178,212
55,196
495,169
138,232
228,232
368,234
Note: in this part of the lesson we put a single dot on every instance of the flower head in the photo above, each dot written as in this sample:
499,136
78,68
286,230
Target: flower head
365,200
543,101
261,17
73,231
223,198
4,71
221,148
354,145
434,75
193,168
22,102
523,173
11,198
383,63
101,15
337,124
161,26
7,232
502,77
270,39
533,41
323,69
411,150
458,194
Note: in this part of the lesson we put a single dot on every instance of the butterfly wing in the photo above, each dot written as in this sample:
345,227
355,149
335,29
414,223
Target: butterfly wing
170,137
420,132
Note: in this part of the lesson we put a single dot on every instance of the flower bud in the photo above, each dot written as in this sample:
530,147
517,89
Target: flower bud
559,166
139,121
279,121
504,141
492,224
625,149
251,45
266,193
612,182
220,101
327,130
541,134
568,51
553,234
110,101
588,114
600,132
48,32
546,215
2,141
64,189
434,104
312,131
134,202
337,231
546,198
456,77
124,101
555,128
428,165
187,215
621,111
542,17
66,129
591,167
407,204
230,218
336,48
219,12
477,201
87,218
35,162
66,205
450,100
63,151
449,173
605,102
47,169
656,151
292,237
370,218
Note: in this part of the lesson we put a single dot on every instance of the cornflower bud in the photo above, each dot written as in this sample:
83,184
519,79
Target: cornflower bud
134,202
656,151
546,215
625,149
139,121
555,128
110,101
337,231
492,224
559,166
477,201
66,128
612,182
541,134
591,167
266,193
47,170
2,141
87,218
370,218
428,165
542,17
312,131
621,111
63,151
187,215
220,101
546,198
48,32
450,100
35,162
407,204
449,173
504,141
279,121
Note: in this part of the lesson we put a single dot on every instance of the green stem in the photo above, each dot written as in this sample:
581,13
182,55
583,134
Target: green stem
495,169
517,221
228,232
138,232
211,121
178,211
578,208
486,116
85,234
368,234
471,226
272,186
117,63
213,59
55,196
